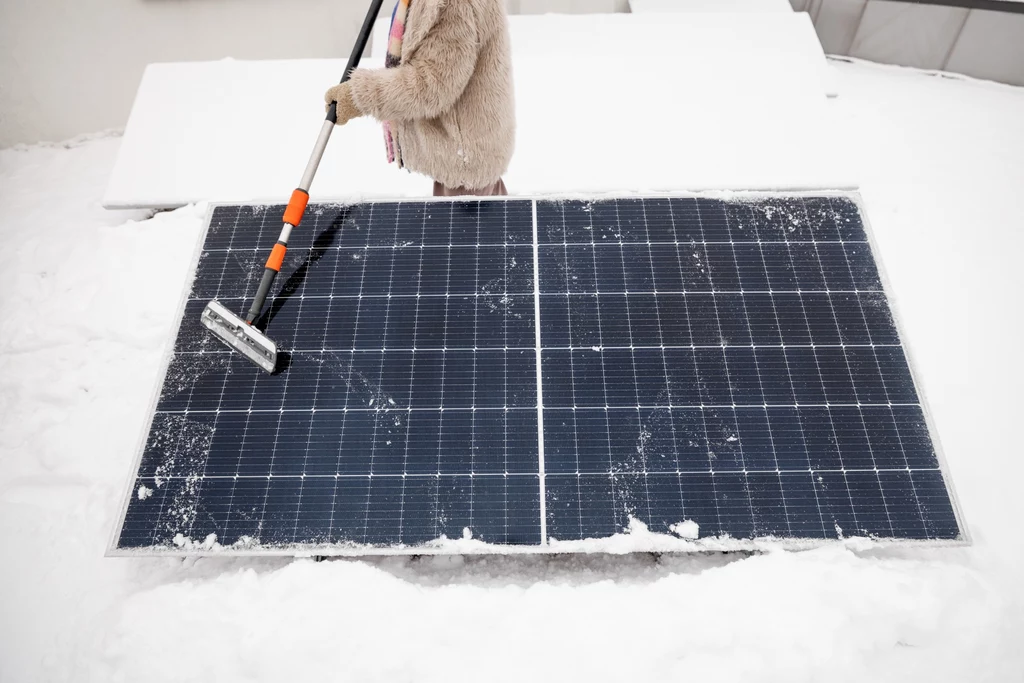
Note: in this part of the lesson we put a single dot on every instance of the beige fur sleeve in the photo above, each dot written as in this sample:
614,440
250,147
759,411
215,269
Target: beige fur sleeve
431,80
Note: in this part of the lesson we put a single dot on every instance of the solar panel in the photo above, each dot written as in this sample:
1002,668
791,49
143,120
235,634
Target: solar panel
532,372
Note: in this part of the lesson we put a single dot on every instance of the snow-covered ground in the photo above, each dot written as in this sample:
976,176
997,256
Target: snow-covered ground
87,306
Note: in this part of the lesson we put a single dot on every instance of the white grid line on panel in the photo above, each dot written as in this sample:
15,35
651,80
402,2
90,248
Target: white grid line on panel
540,383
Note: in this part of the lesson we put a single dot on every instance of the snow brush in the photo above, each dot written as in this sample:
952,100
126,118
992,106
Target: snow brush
239,334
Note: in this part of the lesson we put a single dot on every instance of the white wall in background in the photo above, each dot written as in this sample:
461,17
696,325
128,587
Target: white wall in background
710,6
911,35
980,43
991,45
567,6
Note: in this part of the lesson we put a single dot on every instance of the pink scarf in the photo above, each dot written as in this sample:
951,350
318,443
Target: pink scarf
393,59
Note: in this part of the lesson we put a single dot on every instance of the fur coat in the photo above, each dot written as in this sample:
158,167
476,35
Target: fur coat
451,101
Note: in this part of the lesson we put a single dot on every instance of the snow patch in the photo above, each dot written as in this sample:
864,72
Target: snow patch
688,529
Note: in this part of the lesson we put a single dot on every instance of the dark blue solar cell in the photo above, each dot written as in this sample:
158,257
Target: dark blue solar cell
762,319
618,376
638,270
819,436
652,379
792,319
878,319
657,443
735,510
722,268
673,323
847,219
668,274
700,502
732,319
660,220
871,512
578,506
571,221
703,318
862,267
630,220
779,269
608,269
693,264
839,275
714,222
768,504
349,520
821,318
687,220
746,379
505,510
851,438
645,320
773,370
789,439
755,439
611,315
224,231
702,360
936,506
837,508
807,267
902,505
914,440
803,511
591,434
713,376
663,501
806,376
690,431
836,378
821,220
625,441
723,440
281,510
383,224
742,221
315,510
682,377
899,385
751,273
778,219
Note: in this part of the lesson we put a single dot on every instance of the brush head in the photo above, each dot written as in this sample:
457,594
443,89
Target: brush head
240,336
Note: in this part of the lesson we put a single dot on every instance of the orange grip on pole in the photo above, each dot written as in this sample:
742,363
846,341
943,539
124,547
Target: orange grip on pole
276,257
296,207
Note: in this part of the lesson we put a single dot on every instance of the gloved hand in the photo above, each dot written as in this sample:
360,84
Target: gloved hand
342,94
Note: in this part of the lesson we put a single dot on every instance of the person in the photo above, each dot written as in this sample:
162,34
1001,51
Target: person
445,96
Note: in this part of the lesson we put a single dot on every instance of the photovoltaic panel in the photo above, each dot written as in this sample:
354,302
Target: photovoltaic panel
407,407
730,363
733,363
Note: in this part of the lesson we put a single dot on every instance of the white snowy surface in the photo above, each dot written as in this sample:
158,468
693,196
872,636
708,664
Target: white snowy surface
193,125
88,301
637,6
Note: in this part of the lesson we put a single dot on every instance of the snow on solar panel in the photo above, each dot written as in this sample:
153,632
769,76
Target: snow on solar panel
730,363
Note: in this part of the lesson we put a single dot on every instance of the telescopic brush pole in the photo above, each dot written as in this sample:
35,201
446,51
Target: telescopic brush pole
300,197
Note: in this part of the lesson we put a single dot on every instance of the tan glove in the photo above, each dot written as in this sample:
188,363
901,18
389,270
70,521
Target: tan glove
342,94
